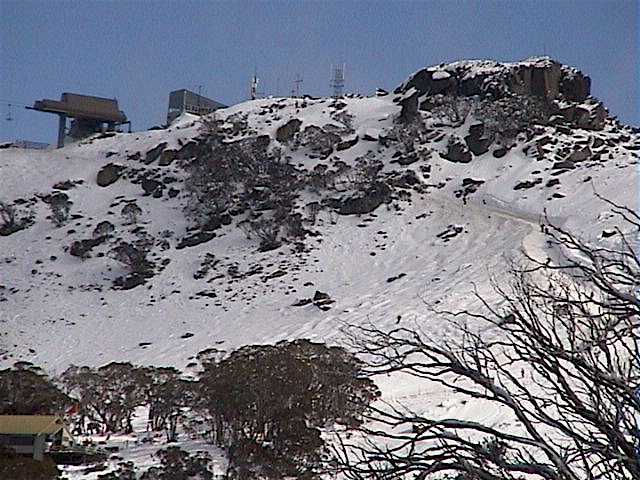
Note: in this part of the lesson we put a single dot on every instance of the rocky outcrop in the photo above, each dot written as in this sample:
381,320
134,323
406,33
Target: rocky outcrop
561,92
346,144
318,140
286,132
167,157
82,248
539,77
409,107
153,154
109,174
152,187
363,202
195,239
456,151
476,141
103,229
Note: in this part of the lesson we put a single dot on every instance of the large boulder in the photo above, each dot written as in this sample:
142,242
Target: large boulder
363,202
318,140
432,82
409,107
590,116
167,157
476,141
575,86
153,154
103,229
109,174
457,151
152,187
286,132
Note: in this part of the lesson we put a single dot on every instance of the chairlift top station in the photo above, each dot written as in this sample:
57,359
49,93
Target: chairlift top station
89,114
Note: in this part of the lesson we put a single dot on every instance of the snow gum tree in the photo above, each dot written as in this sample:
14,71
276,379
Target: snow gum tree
108,395
26,390
266,404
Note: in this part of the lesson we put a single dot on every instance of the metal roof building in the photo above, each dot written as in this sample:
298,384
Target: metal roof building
89,113
27,434
186,101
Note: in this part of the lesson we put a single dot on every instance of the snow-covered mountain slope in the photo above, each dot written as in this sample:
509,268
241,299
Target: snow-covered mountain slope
451,219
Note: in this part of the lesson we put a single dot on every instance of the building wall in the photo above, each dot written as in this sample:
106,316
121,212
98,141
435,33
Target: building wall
32,445
181,101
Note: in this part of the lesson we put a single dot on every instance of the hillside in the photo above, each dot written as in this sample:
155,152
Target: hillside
379,202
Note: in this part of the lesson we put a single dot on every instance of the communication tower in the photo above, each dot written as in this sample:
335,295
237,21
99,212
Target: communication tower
337,79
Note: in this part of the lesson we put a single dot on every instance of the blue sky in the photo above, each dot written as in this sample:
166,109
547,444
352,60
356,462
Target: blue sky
138,51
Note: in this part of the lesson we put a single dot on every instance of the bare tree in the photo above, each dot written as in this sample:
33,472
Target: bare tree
131,212
11,222
60,205
559,359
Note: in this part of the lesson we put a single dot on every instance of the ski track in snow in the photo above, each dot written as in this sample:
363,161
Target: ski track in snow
377,267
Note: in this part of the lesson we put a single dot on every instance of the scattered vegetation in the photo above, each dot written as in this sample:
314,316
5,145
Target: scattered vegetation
265,405
11,221
26,390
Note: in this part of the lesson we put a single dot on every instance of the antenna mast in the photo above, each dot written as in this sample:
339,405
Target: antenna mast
298,81
337,79
254,85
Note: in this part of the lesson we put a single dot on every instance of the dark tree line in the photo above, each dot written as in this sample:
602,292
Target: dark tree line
26,390
265,405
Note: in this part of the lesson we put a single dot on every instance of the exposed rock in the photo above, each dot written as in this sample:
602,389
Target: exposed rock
451,232
195,239
563,164
527,184
540,77
456,151
590,116
476,141
103,229
553,182
153,154
346,144
469,186
152,187
575,87
322,300
286,132
408,159
409,109
109,174
302,302
406,179
363,202
166,157
66,185
189,150
580,154
397,277
318,140
82,248
130,281
500,152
